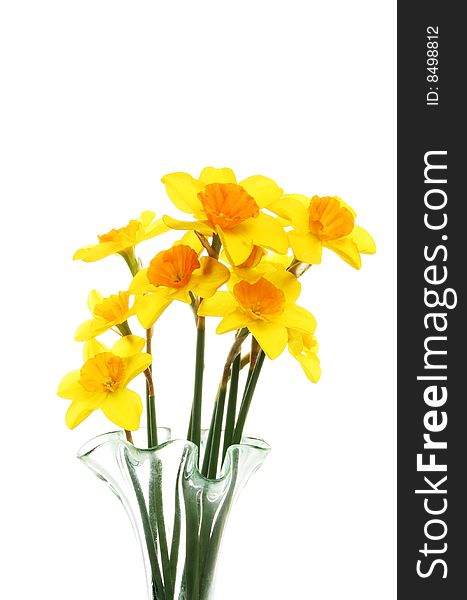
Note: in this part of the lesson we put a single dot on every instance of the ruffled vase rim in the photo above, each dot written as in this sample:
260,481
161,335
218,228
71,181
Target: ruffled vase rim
250,443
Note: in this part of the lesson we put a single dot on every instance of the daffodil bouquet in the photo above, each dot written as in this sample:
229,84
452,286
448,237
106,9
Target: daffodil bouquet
239,260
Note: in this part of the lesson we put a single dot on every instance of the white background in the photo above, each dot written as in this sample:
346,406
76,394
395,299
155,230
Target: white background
99,99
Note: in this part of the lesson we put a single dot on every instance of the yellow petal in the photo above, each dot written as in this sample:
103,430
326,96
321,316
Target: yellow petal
309,342
365,243
124,408
293,208
93,347
235,320
296,317
92,328
182,294
70,388
287,282
147,217
153,229
151,306
77,412
271,337
301,343
183,190
347,250
94,298
263,230
266,231
306,247
237,247
219,305
128,345
191,239
96,251
310,365
296,343
207,279
187,225
265,191
278,261
140,283
212,175
250,275
135,365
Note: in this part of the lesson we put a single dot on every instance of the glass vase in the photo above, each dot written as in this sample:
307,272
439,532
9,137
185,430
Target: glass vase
178,515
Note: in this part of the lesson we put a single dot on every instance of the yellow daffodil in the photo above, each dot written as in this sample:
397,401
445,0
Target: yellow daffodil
106,312
328,222
267,308
172,275
304,347
101,383
123,239
230,209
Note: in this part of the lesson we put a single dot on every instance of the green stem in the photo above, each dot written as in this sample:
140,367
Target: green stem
130,258
192,545
217,432
195,430
247,398
151,418
231,406
212,551
156,510
208,518
148,533
193,306
253,356
190,425
177,526
208,445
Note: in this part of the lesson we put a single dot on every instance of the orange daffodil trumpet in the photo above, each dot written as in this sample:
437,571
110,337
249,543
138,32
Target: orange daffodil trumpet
113,311
301,344
122,240
324,222
175,274
233,262
101,383
266,308
233,211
